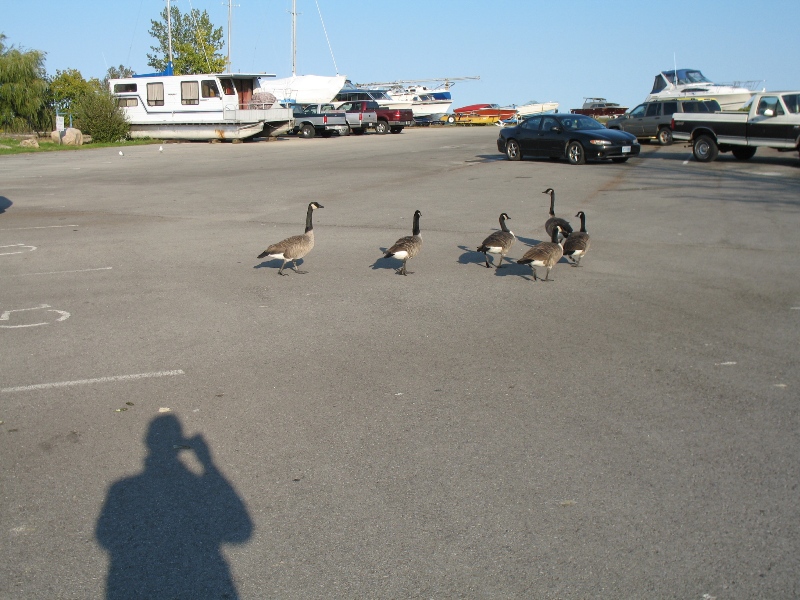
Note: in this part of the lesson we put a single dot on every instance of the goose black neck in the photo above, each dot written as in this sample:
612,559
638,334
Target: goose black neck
556,231
583,223
503,225
415,230
309,226
552,202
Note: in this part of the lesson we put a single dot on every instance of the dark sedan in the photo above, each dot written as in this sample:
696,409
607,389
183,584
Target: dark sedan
575,137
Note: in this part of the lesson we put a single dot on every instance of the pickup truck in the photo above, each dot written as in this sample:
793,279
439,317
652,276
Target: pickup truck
769,119
360,117
311,119
389,119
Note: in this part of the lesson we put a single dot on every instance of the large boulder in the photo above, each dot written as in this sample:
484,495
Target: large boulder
29,143
69,137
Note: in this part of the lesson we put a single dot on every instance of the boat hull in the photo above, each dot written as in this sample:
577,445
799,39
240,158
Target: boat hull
235,125
303,89
538,108
727,100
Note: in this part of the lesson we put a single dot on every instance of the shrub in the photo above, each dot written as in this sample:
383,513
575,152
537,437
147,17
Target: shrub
97,115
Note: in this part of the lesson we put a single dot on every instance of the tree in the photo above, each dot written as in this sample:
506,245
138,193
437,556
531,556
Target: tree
66,87
119,72
195,43
23,90
97,114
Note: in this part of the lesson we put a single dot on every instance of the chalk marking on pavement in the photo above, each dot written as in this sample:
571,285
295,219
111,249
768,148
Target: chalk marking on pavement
31,249
40,227
60,272
6,315
47,386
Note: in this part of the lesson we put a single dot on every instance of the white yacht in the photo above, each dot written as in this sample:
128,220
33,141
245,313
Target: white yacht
303,89
427,104
685,83
223,106
351,92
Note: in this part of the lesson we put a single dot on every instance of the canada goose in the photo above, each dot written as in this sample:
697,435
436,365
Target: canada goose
499,242
296,246
577,244
553,220
407,247
544,254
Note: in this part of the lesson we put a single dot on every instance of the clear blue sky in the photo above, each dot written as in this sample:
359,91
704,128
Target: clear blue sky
521,49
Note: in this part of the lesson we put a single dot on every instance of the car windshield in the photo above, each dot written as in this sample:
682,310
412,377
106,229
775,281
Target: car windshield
579,122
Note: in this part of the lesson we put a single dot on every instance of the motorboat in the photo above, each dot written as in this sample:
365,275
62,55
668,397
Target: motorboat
427,104
599,107
351,92
532,107
688,83
483,114
217,106
303,89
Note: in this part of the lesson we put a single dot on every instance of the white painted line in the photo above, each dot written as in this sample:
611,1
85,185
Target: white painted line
42,227
31,249
47,386
60,272
5,316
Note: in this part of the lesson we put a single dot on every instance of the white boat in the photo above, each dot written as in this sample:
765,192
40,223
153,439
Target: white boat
534,108
427,104
688,83
303,89
350,93
199,107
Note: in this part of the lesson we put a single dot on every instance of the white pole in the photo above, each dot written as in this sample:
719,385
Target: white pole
169,34
230,19
294,38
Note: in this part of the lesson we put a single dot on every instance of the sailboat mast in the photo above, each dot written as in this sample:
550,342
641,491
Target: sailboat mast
169,38
294,38
230,19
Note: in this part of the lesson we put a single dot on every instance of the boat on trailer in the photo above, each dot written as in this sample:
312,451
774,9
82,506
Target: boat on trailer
203,107
691,83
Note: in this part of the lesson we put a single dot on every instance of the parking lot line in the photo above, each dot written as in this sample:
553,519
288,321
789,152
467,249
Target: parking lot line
40,227
60,272
46,386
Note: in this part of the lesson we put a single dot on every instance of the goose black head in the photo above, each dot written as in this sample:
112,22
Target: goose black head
550,191
505,216
315,205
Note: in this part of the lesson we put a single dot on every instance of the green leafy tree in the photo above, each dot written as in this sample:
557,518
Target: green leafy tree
66,87
97,114
119,72
23,90
195,43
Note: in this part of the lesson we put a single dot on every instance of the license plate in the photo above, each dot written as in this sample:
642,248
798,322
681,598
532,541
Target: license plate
626,149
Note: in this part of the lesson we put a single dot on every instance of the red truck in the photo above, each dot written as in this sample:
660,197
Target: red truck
389,119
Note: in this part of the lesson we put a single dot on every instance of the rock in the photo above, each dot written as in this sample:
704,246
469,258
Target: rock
29,143
70,137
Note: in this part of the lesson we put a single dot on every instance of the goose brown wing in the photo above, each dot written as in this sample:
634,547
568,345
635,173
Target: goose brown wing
502,239
296,246
575,243
410,244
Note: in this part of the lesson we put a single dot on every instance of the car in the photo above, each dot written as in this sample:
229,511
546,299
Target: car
559,135
652,119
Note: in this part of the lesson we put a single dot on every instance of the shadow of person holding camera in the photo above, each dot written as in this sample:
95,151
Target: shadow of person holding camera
164,527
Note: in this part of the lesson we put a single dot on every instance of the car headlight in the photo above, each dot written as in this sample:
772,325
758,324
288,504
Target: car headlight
600,142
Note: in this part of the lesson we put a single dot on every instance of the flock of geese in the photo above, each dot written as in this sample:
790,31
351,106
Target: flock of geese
563,242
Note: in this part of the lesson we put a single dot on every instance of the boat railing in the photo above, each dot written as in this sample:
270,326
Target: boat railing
754,85
255,111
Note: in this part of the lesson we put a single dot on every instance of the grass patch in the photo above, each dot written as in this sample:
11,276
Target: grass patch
10,145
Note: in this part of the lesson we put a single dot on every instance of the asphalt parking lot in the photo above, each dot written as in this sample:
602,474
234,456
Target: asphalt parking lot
179,421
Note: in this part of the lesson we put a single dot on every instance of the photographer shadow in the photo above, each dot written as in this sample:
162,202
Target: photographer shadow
164,527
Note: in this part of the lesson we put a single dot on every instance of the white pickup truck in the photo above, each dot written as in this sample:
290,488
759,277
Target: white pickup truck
769,119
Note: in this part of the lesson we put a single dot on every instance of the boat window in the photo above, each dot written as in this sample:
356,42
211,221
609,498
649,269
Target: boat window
227,87
692,77
155,94
653,110
124,87
792,102
123,102
190,92
769,103
669,108
209,89
532,123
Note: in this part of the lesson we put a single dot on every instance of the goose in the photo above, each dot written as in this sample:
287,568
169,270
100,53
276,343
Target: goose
407,247
499,242
296,246
544,254
577,245
553,220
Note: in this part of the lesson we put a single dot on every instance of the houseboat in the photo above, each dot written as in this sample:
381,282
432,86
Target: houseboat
221,106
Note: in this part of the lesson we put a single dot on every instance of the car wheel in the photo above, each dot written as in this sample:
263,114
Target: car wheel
744,152
382,127
664,136
307,131
620,159
575,153
513,151
705,149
